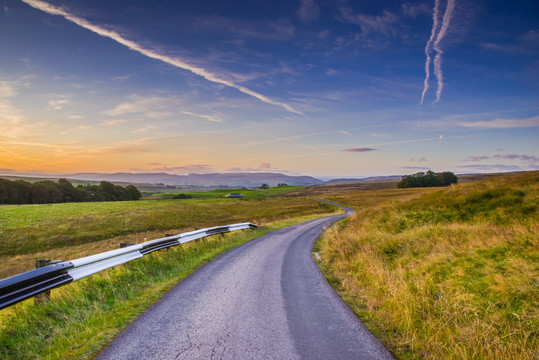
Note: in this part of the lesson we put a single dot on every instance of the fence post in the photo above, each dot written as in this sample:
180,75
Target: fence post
44,296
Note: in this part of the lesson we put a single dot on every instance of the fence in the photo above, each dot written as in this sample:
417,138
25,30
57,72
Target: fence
26,285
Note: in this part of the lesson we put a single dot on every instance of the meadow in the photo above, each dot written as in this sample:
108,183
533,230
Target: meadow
446,273
71,230
83,317
221,193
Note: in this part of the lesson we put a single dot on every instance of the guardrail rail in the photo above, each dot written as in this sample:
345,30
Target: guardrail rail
31,283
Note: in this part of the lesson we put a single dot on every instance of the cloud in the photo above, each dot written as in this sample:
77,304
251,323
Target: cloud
414,10
265,166
123,77
212,118
428,48
496,167
502,123
113,122
58,103
415,168
438,32
153,106
308,11
360,150
154,54
477,158
12,122
370,23
438,58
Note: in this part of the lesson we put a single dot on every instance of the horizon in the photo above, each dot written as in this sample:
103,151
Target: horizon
303,88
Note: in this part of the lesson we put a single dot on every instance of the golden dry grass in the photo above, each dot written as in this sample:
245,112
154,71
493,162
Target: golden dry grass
443,274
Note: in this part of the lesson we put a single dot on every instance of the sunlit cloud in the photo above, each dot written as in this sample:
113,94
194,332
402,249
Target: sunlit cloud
212,118
265,166
12,122
502,123
174,61
58,104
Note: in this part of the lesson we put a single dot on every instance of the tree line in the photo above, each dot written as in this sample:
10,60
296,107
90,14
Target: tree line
46,192
428,179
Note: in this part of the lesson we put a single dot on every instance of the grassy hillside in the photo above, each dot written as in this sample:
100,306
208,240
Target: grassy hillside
443,274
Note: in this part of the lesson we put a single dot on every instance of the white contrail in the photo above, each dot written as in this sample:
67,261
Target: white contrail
438,59
428,48
53,10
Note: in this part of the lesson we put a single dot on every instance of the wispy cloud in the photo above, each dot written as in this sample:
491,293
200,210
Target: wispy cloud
438,32
440,137
494,167
212,118
58,103
360,149
428,47
502,123
181,169
438,58
308,11
12,122
174,61
371,23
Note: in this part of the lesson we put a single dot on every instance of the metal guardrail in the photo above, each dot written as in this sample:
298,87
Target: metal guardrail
26,285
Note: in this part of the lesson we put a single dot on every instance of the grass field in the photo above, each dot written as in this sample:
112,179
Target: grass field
248,193
70,230
83,317
448,273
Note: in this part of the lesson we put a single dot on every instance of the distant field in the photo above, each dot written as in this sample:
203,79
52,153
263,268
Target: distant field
248,193
71,230
443,273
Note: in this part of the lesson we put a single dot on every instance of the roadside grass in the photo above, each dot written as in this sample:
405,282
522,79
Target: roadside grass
448,273
83,317
248,193
31,231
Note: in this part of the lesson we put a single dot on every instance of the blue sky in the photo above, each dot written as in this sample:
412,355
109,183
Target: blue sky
323,88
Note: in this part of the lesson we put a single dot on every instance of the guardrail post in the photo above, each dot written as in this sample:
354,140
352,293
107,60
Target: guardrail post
44,296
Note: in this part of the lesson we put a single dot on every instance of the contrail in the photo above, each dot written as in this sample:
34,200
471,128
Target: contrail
177,62
428,48
438,59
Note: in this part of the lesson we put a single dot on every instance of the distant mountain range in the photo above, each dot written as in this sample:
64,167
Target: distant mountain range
212,179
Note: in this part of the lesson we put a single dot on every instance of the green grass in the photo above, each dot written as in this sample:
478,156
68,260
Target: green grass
28,229
248,193
443,274
83,317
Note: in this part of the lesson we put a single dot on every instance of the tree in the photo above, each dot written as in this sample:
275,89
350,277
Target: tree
428,179
264,186
134,193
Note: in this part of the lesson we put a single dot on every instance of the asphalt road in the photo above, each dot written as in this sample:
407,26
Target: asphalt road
265,299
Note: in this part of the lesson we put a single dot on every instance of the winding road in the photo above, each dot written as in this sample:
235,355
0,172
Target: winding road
265,299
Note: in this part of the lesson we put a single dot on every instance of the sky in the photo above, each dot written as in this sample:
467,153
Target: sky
327,88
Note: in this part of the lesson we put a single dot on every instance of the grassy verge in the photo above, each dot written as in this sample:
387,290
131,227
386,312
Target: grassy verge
443,274
84,316
71,230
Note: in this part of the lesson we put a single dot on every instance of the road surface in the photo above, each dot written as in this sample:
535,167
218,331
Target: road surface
265,299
